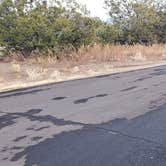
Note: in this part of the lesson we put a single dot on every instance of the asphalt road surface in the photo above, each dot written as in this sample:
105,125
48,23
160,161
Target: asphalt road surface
110,120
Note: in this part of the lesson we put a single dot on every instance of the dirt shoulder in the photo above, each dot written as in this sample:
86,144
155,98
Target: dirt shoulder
17,75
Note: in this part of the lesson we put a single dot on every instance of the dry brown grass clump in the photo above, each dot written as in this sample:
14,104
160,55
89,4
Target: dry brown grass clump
99,53
120,53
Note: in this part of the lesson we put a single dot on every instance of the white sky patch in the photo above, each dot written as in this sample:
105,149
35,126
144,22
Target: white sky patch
96,8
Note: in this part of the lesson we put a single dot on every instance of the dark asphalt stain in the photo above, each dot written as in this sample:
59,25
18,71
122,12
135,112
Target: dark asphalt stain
84,100
33,111
33,116
103,76
23,93
111,143
155,85
128,89
111,76
52,119
36,138
42,128
143,78
17,148
80,101
4,149
6,158
59,98
30,128
7,120
159,72
160,69
20,138
101,95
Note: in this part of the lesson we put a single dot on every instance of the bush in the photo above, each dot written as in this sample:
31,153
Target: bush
35,25
44,27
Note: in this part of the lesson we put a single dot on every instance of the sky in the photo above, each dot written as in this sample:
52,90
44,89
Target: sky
96,8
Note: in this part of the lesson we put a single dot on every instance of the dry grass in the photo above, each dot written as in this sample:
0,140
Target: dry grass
99,53
119,52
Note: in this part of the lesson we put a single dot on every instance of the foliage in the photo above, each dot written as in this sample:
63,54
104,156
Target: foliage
142,21
28,25
109,34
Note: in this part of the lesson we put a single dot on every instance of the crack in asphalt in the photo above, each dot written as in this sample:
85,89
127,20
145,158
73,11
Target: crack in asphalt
116,132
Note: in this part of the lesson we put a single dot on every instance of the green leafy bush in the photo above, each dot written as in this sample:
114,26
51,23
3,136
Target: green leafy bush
65,26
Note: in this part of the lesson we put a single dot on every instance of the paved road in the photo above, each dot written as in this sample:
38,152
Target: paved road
111,120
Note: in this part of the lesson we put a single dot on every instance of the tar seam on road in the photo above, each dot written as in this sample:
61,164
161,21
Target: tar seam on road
133,137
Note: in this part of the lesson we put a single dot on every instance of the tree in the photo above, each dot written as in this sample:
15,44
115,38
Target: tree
30,24
160,26
137,19
108,34
7,20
